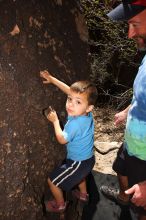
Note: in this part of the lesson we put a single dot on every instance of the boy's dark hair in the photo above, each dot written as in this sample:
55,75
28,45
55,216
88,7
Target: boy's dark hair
87,87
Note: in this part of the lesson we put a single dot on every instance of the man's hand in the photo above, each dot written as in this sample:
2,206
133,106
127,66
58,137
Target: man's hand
120,118
138,192
46,75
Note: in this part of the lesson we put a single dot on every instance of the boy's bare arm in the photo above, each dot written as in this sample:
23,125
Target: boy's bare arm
50,79
59,133
52,117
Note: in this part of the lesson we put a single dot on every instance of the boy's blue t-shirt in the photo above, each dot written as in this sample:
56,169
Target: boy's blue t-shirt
79,132
135,133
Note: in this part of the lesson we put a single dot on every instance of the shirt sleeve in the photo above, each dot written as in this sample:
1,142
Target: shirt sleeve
71,130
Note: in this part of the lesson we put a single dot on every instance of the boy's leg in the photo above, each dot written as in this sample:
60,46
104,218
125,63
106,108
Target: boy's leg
81,194
57,192
82,186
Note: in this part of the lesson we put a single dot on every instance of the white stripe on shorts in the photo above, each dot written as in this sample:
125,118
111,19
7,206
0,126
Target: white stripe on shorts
69,174
67,171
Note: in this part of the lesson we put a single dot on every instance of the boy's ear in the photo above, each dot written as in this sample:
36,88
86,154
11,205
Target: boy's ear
90,108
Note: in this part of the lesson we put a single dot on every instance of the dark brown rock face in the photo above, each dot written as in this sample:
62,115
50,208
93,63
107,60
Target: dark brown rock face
52,36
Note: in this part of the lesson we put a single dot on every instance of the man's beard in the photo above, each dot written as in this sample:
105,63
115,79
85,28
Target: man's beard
141,42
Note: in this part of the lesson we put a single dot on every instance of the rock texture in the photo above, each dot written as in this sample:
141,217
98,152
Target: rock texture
50,35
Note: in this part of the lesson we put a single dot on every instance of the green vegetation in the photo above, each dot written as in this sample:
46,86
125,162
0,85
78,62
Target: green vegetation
113,54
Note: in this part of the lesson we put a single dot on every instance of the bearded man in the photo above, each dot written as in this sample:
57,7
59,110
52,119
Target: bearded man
130,164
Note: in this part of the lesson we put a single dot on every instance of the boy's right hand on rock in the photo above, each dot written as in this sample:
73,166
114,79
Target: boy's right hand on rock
46,75
52,116
46,111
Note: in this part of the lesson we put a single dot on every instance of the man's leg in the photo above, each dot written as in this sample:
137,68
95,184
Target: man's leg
120,167
123,185
142,217
117,195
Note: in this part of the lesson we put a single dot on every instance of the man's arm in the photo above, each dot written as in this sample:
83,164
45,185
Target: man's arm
121,116
50,79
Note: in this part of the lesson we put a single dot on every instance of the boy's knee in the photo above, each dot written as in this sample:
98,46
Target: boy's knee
49,181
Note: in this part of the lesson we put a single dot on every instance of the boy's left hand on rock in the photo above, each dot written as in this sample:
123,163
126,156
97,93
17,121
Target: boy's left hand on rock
45,74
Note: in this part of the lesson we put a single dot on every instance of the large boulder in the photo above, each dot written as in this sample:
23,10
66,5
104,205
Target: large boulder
51,35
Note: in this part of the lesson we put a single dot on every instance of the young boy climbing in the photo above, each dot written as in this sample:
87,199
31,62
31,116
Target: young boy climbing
78,135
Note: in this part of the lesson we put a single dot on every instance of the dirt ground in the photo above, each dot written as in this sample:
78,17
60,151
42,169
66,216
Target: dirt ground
107,136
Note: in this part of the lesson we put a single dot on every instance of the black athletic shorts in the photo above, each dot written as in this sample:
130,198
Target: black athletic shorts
71,173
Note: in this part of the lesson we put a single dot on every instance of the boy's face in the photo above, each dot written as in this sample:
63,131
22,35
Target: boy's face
77,104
